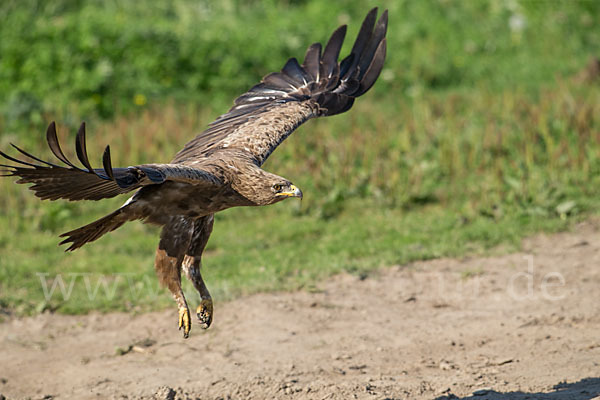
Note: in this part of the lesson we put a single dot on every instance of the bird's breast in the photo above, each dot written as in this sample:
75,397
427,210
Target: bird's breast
156,204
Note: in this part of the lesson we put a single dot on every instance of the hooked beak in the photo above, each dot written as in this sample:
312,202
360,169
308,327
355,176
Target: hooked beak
293,192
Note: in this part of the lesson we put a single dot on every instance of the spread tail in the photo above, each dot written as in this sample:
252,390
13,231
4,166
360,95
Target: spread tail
93,231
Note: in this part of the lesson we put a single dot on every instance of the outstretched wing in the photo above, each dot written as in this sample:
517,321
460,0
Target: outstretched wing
52,181
270,111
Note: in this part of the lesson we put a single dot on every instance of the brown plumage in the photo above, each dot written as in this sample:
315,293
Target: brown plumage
218,169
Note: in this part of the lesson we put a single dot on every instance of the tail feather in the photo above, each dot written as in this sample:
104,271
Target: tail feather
95,230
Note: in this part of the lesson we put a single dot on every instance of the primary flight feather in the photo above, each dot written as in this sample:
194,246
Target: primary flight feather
219,168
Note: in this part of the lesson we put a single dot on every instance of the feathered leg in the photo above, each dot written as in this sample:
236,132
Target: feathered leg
174,241
192,264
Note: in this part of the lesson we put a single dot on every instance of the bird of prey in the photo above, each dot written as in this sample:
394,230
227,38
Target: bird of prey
218,169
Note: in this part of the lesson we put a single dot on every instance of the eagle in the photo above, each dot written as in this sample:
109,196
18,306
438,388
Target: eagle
218,169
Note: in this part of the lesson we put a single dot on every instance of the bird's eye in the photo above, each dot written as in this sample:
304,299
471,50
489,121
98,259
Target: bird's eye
277,187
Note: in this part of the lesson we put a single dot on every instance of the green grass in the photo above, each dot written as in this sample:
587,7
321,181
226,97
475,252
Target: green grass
253,250
477,135
392,182
73,60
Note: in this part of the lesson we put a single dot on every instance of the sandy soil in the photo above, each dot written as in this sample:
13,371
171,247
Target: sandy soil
521,326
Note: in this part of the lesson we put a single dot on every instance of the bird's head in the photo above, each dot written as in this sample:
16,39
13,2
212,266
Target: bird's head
284,189
273,189
262,188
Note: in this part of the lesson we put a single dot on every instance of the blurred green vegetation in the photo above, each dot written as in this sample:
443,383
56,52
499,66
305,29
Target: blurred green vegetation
482,129
75,59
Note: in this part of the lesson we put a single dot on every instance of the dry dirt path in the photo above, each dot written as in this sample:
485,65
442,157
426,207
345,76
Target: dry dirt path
520,326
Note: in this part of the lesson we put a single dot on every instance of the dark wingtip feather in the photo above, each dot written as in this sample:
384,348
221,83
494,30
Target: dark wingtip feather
377,36
52,140
51,130
364,34
373,70
384,17
332,51
32,156
3,154
80,147
312,60
294,72
382,23
346,64
107,163
276,80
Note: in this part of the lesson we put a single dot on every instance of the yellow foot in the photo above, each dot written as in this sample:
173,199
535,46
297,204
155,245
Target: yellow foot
185,322
205,313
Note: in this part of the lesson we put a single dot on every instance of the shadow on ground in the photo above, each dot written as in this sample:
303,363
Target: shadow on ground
585,389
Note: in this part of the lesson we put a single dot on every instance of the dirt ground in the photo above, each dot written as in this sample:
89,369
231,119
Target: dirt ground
520,326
